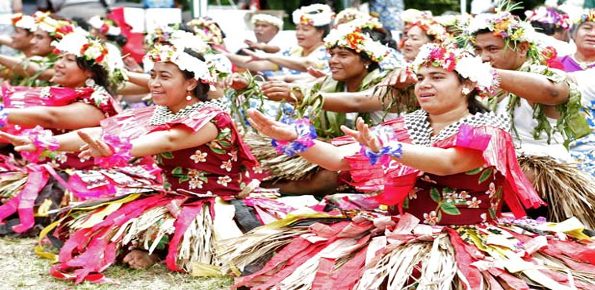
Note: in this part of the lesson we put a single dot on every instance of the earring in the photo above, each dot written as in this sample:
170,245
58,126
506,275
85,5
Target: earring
466,90
188,96
89,82
367,66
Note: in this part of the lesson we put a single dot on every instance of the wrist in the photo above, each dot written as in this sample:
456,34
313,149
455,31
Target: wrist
120,152
305,134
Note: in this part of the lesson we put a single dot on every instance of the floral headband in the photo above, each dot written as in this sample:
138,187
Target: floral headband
105,27
172,35
23,21
455,21
275,21
431,27
411,15
468,66
55,28
367,22
314,15
548,16
502,24
184,61
588,15
353,38
349,14
207,29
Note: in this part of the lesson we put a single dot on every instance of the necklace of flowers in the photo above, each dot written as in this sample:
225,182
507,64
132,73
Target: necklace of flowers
583,64
207,30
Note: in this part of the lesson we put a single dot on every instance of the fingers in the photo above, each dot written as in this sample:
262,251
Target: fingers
316,72
26,148
15,140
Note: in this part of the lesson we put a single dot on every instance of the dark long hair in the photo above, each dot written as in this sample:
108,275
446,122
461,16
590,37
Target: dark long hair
98,72
201,91
473,104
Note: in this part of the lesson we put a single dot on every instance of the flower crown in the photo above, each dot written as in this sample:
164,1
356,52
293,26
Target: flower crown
453,21
184,61
207,29
468,66
352,37
502,24
588,15
106,27
275,21
548,16
431,27
55,28
314,15
370,22
350,14
411,15
23,21
93,50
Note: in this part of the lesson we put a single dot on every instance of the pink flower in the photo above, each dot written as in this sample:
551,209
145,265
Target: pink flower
234,155
195,183
226,165
491,189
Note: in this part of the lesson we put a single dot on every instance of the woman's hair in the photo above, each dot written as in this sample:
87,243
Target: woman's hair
98,72
473,104
381,35
364,57
201,91
325,29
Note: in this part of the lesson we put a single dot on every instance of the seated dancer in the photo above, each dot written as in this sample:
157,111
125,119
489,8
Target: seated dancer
84,71
202,158
544,109
354,63
446,169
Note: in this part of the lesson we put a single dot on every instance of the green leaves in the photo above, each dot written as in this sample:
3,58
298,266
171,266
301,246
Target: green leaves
449,209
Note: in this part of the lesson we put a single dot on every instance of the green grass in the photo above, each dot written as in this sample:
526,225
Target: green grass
21,268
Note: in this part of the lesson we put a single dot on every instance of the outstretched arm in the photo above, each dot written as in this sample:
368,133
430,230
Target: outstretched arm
74,116
19,67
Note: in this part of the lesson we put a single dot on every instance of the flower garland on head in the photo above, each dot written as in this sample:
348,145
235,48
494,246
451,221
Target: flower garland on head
588,15
548,16
502,24
450,58
105,26
24,21
55,28
431,27
411,15
207,29
353,38
313,15
350,14
176,55
275,21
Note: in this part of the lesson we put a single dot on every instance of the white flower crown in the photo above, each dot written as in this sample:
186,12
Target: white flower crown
24,21
315,15
275,21
184,61
349,36
105,28
467,65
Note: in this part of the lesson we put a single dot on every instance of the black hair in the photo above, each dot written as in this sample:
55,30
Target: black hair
325,29
473,104
545,28
373,64
381,35
98,72
201,91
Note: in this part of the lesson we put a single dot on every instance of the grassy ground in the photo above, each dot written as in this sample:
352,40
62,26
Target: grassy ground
20,268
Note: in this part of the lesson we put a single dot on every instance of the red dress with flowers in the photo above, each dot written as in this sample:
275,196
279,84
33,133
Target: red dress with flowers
178,217
450,234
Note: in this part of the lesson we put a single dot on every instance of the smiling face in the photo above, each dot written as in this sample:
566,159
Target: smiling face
347,66
41,43
169,87
264,31
584,37
439,91
416,38
308,36
68,73
493,49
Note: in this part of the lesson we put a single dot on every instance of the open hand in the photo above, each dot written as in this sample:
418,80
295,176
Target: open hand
255,56
316,72
94,147
235,81
399,78
270,127
363,135
278,91
20,143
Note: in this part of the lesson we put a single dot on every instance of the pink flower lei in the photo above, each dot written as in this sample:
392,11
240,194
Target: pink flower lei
44,143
